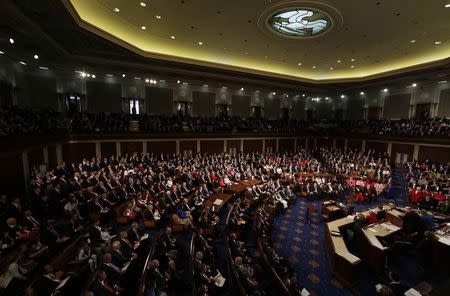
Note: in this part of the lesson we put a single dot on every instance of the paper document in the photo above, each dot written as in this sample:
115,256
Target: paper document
304,292
445,240
218,202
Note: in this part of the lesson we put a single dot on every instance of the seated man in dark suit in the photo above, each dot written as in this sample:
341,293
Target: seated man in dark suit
102,287
412,222
47,283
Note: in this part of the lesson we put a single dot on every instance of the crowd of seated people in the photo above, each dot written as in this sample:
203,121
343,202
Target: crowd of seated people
18,121
99,209
429,185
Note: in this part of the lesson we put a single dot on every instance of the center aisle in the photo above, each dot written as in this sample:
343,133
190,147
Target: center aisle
302,245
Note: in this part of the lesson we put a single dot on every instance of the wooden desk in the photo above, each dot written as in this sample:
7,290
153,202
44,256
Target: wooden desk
343,264
374,251
331,210
241,186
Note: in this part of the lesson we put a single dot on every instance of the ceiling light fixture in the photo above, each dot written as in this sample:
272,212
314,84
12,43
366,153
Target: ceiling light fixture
172,37
447,5
185,83
23,63
338,61
93,75
352,66
314,67
43,68
109,75
342,96
1,52
303,95
413,41
123,75
205,85
158,17
200,43
88,75
143,4
178,81
143,27
352,60
438,42
11,40
299,64
361,93
443,81
331,68
414,85
274,93
242,88
385,90
36,57
116,10
147,80
83,74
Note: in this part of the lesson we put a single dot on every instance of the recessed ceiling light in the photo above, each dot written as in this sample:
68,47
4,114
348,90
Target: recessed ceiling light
361,93
352,66
123,75
143,27
338,61
413,41
158,17
437,42
443,81
352,60
143,4
205,85
331,68
327,98
242,88
23,63
147,80
447,5
200,43
116,10
299,64
178,81
172,37
83,74
313,67
88,75
414,84
342,96
1,52
36,57
93,75
43,68
274,93
303,95
385,90
11,40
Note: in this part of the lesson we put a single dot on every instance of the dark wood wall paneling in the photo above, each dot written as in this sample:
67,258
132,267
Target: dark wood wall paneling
402,148
75,152
286,145
340,142
11,174
434,154
301,143
162,147
271,143
354,144
324,142
108,149
211,146
52,156
378,147
35,157
188,146
234,144
130,147
252,146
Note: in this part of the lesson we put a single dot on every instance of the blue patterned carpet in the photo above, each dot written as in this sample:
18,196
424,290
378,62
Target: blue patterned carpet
303,245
